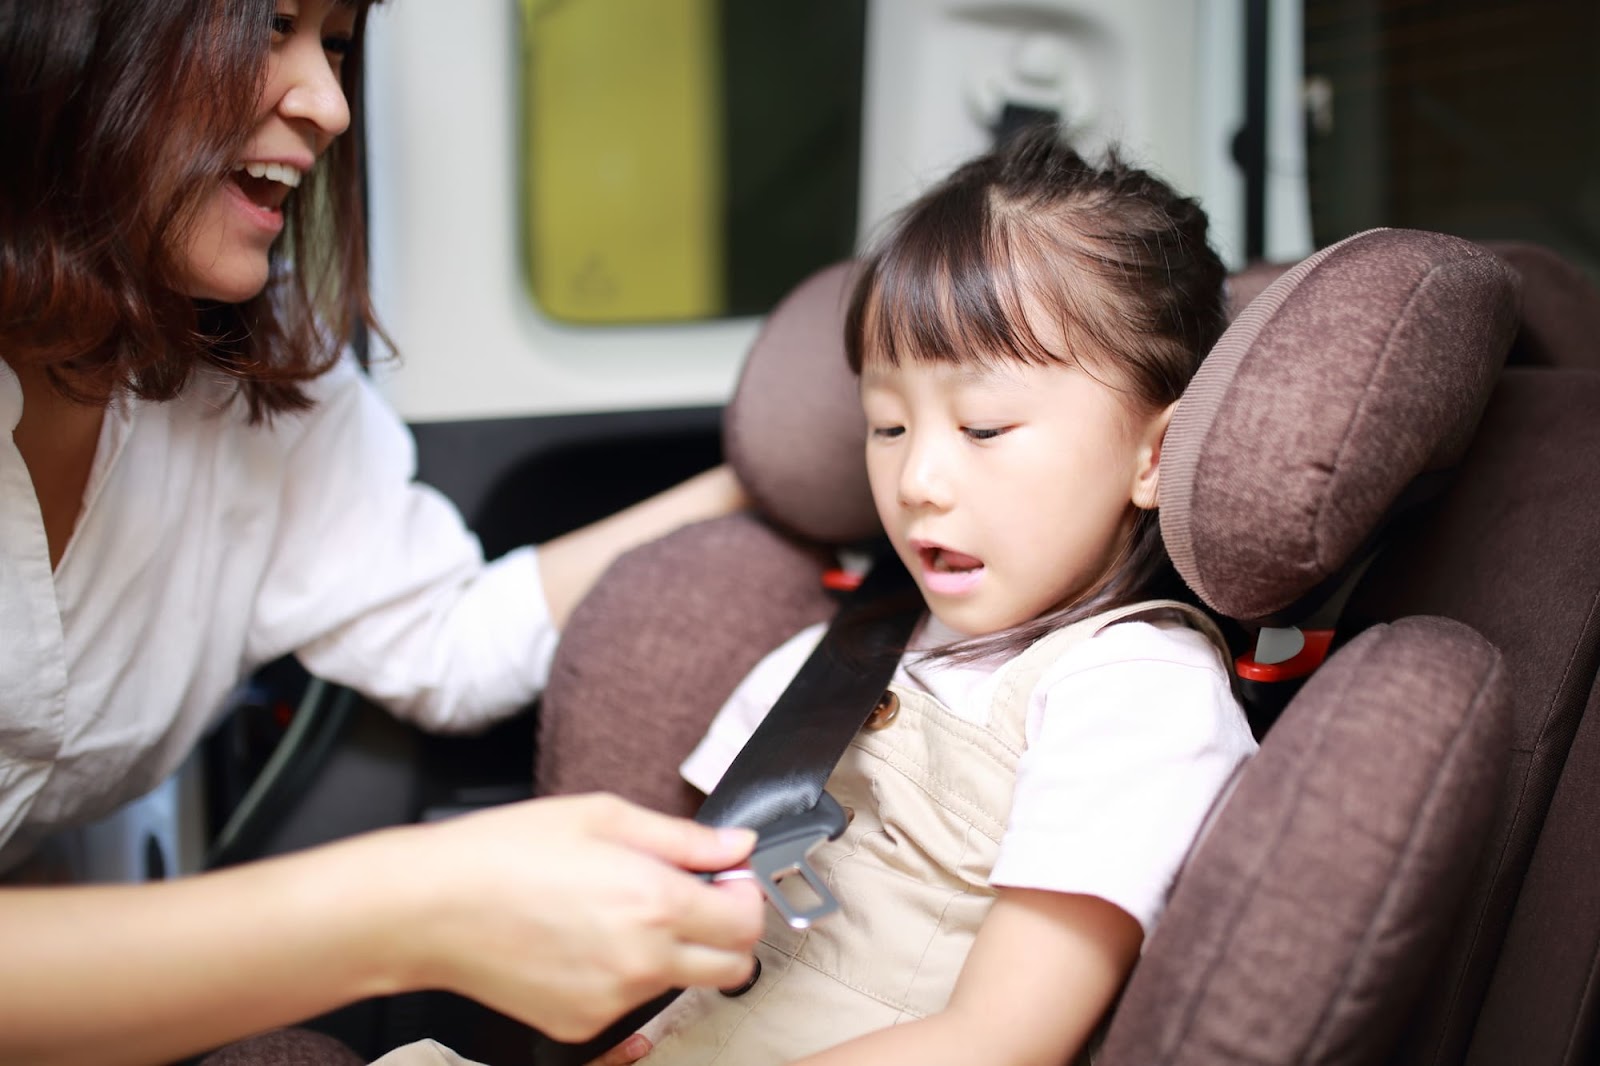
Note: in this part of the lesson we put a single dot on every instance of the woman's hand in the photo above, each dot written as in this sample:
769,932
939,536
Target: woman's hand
566,913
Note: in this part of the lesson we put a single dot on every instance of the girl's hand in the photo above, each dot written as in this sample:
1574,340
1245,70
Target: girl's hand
564,913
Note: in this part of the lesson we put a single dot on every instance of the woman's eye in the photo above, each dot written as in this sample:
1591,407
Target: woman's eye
887,432
983,432
340,46
282,25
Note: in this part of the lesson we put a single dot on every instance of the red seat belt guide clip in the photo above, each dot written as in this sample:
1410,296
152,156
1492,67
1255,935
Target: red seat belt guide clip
839,579
1307,659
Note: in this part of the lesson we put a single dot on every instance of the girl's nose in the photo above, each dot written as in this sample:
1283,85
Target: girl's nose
924,479
314,94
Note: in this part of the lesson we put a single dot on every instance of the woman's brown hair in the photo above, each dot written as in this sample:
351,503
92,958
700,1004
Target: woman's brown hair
1113,254
118,119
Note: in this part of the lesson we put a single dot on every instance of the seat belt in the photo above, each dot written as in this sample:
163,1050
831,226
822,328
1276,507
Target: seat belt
776,784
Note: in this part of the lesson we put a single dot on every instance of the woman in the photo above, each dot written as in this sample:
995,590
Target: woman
196,482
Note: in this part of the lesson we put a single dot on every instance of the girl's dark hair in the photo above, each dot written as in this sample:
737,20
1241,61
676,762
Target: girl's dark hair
118,119
1116,258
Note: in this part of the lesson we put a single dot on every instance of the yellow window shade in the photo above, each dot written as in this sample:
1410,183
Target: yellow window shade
624,159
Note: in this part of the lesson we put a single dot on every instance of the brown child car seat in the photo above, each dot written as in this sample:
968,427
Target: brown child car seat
1389,874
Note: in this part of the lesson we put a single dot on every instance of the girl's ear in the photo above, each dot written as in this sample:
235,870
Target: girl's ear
1147,471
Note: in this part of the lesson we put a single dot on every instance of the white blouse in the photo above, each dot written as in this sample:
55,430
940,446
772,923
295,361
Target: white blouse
206,547
1131,737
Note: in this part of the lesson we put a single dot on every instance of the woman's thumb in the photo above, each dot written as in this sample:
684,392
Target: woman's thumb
680,841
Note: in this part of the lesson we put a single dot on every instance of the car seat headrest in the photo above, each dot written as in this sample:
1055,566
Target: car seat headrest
1350,376
1560,308
1560,314
794,431
1251,281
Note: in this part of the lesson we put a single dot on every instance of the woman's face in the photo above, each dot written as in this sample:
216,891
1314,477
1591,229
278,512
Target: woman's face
301,110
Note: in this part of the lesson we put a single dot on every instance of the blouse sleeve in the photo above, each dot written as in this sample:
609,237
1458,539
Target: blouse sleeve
746,708
1131,738
374,581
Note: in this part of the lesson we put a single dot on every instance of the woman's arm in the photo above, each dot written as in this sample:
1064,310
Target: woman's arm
1043,970
563,913
375,583
571,563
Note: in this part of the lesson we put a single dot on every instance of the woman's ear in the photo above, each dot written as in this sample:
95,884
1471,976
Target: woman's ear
1147,470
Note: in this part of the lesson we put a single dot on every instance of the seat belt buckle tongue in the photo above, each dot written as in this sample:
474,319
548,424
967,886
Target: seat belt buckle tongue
783,848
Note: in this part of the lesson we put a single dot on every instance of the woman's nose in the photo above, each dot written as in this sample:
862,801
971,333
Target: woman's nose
314,94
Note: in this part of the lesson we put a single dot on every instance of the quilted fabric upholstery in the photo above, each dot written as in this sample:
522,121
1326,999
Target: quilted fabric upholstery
794,430
658,646
1358,370
285,1047
1338,862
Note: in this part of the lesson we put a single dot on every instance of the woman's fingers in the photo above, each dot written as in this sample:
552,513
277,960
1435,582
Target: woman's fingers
697,965
567,912
725,917
676,840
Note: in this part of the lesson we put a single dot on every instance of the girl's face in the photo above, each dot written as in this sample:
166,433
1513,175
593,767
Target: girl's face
301,110
1005,488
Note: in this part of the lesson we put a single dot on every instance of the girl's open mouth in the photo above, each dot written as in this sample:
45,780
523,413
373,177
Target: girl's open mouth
947,571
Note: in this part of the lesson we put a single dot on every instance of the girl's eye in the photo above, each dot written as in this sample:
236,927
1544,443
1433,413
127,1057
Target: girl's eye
282,25
339,46
983,432
887,432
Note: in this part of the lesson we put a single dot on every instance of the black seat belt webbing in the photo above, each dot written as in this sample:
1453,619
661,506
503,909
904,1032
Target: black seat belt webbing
782,768
775,784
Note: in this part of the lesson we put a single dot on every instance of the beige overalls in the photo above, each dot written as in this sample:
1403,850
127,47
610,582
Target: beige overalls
930,794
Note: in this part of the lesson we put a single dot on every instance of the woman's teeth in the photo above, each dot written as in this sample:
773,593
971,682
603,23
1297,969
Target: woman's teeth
282,173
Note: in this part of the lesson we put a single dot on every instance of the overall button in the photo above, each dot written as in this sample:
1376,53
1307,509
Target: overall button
885,712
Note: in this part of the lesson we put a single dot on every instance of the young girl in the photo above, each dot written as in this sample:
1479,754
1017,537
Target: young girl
1054,737
194,480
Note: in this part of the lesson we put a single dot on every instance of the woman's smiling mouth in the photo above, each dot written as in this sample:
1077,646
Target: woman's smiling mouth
266,184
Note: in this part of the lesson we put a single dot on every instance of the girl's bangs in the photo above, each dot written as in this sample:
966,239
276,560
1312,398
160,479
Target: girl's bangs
951,288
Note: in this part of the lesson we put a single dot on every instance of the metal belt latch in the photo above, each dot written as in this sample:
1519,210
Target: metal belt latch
782,849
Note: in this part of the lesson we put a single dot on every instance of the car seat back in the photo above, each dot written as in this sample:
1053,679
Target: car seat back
1511,548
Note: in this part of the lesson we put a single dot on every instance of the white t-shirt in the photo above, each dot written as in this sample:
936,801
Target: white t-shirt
1131,736
206,547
